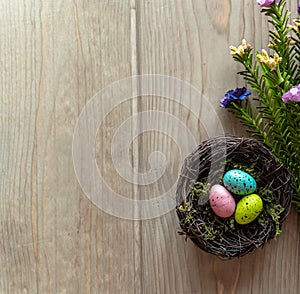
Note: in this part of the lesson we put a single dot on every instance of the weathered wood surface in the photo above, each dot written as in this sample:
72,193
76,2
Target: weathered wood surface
55,56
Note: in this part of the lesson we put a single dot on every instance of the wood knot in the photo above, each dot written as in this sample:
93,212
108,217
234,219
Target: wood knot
219,12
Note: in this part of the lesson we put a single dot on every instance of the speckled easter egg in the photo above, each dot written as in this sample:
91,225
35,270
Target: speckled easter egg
221,201
248,209
239,182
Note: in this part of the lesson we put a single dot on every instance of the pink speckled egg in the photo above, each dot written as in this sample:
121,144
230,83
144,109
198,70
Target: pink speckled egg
221,201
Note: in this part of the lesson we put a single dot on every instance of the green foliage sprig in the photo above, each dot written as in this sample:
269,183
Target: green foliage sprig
268,117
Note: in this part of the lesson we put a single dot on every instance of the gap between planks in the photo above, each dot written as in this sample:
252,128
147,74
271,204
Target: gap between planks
135,148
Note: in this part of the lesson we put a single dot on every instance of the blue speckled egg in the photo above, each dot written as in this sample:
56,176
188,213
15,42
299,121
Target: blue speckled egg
239,182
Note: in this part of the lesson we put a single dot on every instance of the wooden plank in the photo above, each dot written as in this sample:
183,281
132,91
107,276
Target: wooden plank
20,78
190,40
55,55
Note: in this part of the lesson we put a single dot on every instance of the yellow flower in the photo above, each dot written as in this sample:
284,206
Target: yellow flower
263,57
289,40
296,25
296,22
291,43
270,62
240,50
277,59
244,44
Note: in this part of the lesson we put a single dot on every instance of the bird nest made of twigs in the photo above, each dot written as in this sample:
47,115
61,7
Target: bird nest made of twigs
205,167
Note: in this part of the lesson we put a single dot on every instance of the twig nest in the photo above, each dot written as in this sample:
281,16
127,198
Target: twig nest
231,214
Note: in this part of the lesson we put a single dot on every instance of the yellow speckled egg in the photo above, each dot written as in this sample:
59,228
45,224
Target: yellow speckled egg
248,209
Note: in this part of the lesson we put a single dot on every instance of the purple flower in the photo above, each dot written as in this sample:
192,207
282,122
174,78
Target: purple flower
292,94
225,102
298,8
265,3
234,95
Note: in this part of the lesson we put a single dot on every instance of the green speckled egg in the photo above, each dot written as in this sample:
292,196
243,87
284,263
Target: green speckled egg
239,182
248,209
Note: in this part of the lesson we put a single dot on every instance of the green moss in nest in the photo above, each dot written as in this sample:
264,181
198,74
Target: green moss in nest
213,226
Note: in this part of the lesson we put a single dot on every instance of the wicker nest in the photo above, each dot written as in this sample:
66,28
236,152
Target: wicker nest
207,163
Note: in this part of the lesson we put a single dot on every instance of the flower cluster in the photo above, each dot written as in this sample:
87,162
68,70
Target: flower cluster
274,78
234,96
270,62
240,50
265,3
292,95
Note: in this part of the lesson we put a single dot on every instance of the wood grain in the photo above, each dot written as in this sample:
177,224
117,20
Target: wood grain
188,40
55,56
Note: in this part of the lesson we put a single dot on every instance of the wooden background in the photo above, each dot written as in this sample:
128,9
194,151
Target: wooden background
54,57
